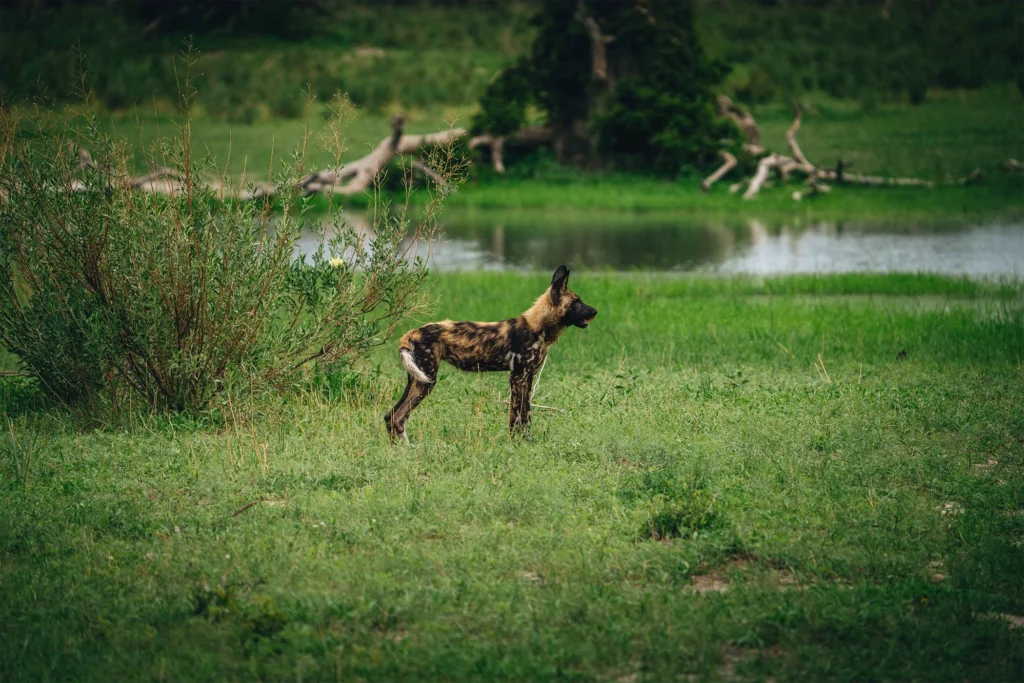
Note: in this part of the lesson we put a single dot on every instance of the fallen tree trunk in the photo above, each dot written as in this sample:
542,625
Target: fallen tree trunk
728,163
497,145
420,167
531,136
794,128
817,178
742,118
748,126
764,167
361,173
351,178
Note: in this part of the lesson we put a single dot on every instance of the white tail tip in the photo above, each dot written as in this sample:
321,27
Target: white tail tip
412,368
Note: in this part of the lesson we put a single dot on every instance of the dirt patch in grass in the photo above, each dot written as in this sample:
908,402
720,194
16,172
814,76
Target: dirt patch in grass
733,657
1015,621
720,579
708,583
983,468
938,571
951,509
715,580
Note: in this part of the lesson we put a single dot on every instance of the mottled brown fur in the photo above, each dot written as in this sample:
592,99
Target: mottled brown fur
518,345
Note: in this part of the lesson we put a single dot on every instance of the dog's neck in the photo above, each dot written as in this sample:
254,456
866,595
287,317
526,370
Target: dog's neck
544,320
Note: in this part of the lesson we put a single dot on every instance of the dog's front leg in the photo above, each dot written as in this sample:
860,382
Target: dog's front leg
520,380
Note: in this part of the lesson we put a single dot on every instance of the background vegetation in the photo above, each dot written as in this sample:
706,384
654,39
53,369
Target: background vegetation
416,54
869,51
384,55
946,137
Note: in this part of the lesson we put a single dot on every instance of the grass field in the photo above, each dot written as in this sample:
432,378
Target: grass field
943,139
813,478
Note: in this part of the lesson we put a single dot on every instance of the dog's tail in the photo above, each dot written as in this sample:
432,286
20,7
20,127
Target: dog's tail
410,365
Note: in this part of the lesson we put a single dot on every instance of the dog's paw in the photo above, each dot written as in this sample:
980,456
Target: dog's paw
398,437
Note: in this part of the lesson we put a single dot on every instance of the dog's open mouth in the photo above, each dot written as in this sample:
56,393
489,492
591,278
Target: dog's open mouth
586,322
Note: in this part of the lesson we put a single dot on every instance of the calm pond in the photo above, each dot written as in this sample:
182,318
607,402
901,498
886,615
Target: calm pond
620,241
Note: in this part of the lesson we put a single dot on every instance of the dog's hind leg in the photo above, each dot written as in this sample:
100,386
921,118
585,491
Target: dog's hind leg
416,389
395,418
415,392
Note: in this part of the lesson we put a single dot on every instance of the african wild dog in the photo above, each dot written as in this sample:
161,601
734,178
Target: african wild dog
518,345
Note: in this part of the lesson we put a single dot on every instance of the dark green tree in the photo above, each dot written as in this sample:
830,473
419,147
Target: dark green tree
624,84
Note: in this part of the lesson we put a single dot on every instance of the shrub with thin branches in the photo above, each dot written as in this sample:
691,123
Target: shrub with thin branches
110,294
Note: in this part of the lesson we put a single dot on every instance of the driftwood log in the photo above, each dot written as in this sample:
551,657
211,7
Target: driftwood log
817,177
742,118
357,176
748,126
531,136
352,178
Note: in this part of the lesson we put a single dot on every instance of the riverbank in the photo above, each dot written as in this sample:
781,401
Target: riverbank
809,477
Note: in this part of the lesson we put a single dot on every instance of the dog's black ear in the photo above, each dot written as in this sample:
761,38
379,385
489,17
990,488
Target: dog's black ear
559,282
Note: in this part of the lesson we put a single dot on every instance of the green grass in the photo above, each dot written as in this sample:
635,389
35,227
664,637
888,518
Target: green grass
945,138
999,196
773,431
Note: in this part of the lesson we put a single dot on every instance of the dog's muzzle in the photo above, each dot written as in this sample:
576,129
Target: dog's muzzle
588,314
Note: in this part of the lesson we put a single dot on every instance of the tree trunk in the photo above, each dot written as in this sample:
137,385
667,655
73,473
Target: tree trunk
601,85
575,141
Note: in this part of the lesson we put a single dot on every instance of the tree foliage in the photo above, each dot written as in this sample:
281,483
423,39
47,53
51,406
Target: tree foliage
652,106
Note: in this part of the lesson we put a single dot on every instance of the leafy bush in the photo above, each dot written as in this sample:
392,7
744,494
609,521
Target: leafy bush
503,102
109,294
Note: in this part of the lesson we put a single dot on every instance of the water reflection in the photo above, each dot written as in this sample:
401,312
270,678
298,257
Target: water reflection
994,249
535,240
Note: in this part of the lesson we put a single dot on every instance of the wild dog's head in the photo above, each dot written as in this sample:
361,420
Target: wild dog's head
569,309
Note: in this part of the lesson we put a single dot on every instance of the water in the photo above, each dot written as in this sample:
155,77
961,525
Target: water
977,250
535,240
